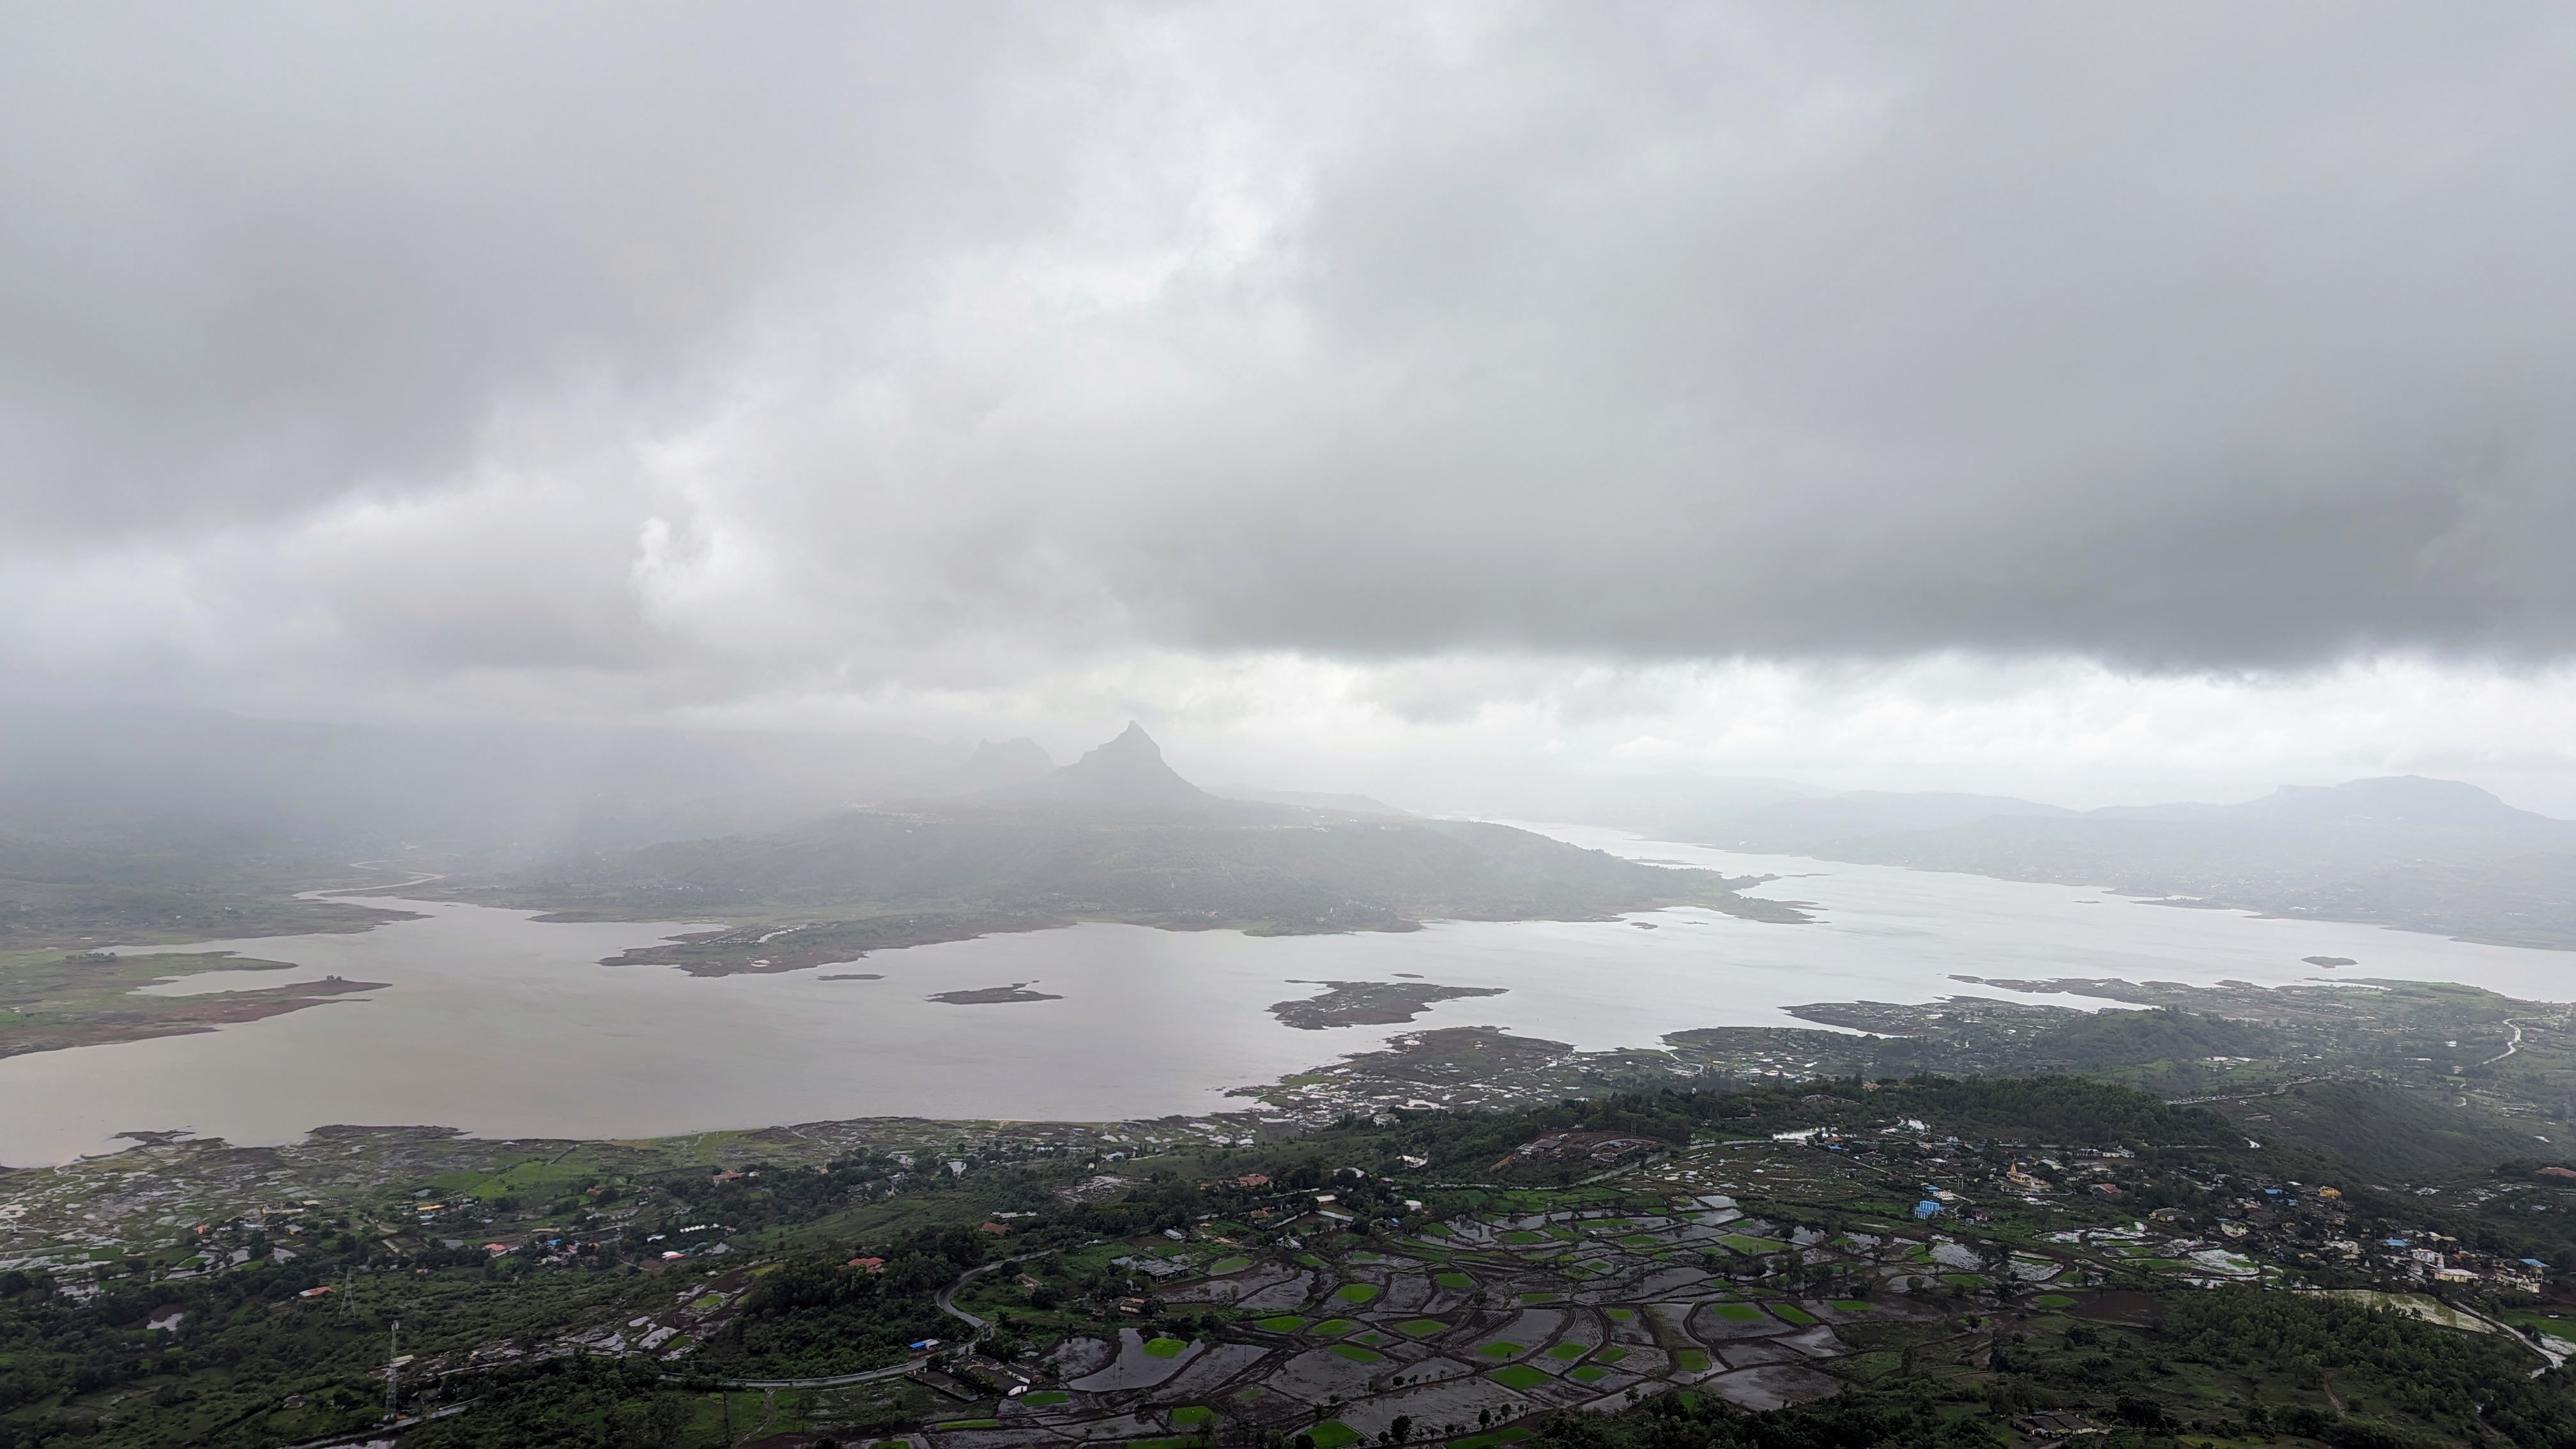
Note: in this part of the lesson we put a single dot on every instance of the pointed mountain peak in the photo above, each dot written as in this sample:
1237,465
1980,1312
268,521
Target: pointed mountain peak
1132,743
1128,770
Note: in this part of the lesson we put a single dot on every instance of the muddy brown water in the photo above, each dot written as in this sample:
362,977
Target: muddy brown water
504,1026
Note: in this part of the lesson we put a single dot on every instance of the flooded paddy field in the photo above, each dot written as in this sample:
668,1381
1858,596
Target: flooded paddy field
500,1025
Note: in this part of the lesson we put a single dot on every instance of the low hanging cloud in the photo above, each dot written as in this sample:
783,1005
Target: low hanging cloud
662,357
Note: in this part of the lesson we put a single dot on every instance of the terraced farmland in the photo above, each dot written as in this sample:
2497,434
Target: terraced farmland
1468,1330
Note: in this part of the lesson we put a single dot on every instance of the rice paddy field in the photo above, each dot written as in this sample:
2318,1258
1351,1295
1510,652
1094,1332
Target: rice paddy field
1465,1333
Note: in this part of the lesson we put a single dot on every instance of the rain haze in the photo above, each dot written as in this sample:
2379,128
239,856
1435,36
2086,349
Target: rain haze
985,725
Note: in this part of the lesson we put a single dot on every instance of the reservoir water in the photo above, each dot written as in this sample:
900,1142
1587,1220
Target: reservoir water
505,1026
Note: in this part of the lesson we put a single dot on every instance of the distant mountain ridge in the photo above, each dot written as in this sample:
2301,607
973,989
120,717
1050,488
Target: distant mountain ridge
1310,800
1799,824
2424,854
2398,799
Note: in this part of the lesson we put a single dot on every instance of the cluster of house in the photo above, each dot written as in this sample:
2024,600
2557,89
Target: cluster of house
2436,1258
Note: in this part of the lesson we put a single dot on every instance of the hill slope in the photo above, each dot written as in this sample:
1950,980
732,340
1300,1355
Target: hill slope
1114,836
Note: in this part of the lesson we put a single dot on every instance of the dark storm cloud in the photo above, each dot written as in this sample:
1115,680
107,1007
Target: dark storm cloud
254,258
850,343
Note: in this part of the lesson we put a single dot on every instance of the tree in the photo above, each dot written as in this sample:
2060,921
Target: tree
916,1274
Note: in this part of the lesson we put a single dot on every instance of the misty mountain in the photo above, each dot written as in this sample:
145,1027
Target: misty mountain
1675,805
1801,825
2394,800
137,820
1310,800
1126,773
1117,835
1008,763
2433,855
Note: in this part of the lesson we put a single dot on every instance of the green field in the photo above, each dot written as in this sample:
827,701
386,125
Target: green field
1500,1350
1494,1440
1044,1398
1336,1327
1357,1354
1589,1374
1518,1376
1567,1352
1284,1323
2520,1317
1792,1315
1355,1293
1223,1266
2045,1300
1422,1328
1854,1305
1736,1312
1334,1434
1164,1347
1691,1361
1190,1416
1622,1315
1458,1281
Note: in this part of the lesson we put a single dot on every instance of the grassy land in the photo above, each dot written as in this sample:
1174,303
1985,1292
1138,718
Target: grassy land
51,1000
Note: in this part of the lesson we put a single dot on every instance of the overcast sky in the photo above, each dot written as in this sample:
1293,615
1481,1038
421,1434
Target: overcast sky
2100,402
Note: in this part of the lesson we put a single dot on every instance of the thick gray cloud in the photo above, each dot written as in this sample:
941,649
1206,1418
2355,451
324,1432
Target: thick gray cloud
832,348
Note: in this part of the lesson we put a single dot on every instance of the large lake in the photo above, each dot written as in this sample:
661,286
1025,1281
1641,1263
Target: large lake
504,1026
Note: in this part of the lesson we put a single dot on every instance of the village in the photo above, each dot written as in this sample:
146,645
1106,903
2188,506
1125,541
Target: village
1384,1299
